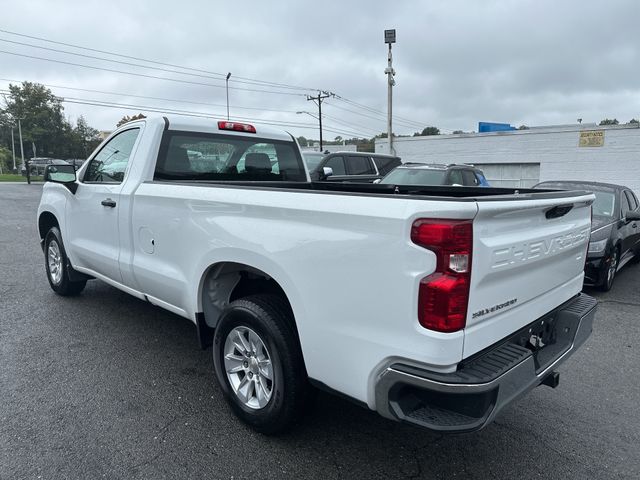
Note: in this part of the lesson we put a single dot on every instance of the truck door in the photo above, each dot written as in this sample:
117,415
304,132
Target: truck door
92,213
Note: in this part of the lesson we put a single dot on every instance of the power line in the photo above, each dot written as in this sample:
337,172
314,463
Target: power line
121,94
146,108
222,75
348,124
148,76
131,64
373,110
354,112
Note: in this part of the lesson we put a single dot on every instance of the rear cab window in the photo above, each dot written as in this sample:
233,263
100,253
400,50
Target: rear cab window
203,156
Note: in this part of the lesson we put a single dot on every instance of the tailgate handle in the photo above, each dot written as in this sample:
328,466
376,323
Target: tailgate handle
559,211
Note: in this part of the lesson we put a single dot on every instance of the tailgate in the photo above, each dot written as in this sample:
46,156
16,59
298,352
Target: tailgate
528,258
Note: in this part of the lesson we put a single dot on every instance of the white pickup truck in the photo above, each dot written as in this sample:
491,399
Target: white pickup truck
435,306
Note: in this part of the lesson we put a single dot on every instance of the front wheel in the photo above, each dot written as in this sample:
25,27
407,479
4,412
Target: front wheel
259,364
609,271
57,265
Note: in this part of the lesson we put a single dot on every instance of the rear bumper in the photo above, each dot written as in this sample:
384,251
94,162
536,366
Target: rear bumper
469,399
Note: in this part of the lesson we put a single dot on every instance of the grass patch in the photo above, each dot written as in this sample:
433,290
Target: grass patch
9,177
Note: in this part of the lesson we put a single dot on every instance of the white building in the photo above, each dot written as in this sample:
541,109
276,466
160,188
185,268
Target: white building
521,158
330,148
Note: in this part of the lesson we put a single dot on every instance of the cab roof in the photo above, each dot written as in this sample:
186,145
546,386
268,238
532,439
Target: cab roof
210,125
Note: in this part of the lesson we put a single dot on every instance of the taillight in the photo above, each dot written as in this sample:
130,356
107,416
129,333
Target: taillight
444,295
237,127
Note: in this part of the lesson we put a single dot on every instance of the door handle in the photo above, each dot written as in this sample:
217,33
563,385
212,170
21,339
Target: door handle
107,202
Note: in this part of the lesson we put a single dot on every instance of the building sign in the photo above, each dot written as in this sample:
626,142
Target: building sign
591,138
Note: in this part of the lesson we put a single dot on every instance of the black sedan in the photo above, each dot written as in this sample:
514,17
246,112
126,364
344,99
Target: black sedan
615,229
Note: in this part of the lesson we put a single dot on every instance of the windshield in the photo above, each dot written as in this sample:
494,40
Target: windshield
415,176
312,160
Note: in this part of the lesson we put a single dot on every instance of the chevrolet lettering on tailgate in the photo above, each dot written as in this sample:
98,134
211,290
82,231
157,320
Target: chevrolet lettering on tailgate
526,252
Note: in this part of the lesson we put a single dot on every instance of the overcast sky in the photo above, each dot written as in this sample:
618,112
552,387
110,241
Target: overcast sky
457,62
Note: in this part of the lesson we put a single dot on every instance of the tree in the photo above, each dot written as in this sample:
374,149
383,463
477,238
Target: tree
86,137
458,132
338,139
127,119
428,131
633,121
303,141
41,117
523,127
6,159
608,121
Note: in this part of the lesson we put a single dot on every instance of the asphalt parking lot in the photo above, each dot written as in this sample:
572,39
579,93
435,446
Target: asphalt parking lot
107,386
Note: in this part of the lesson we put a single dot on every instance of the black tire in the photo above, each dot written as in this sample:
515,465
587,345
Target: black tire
59,281
270,317
609,277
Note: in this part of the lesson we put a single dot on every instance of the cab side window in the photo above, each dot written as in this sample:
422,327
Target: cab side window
470,180
337,165
633,201
455,177
625,204
110,164
360,166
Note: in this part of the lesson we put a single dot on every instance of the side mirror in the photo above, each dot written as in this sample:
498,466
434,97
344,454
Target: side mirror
64,174
633,215
326,173
377,180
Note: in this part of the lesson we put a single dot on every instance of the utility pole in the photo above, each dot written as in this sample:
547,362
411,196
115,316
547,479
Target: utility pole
13,150
227,82
22,151
318,101
20,137
389,38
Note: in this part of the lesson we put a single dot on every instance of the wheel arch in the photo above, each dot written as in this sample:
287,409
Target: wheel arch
46,220
224,281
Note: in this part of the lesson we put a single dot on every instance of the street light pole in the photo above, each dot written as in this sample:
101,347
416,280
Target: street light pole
227,82
389,38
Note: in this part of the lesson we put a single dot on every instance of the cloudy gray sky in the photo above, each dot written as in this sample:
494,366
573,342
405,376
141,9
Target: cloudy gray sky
457,62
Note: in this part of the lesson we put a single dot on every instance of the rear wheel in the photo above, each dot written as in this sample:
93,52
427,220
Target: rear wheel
609,270
57,265
259,364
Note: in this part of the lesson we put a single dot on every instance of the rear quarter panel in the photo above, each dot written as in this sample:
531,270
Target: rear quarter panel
345,262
